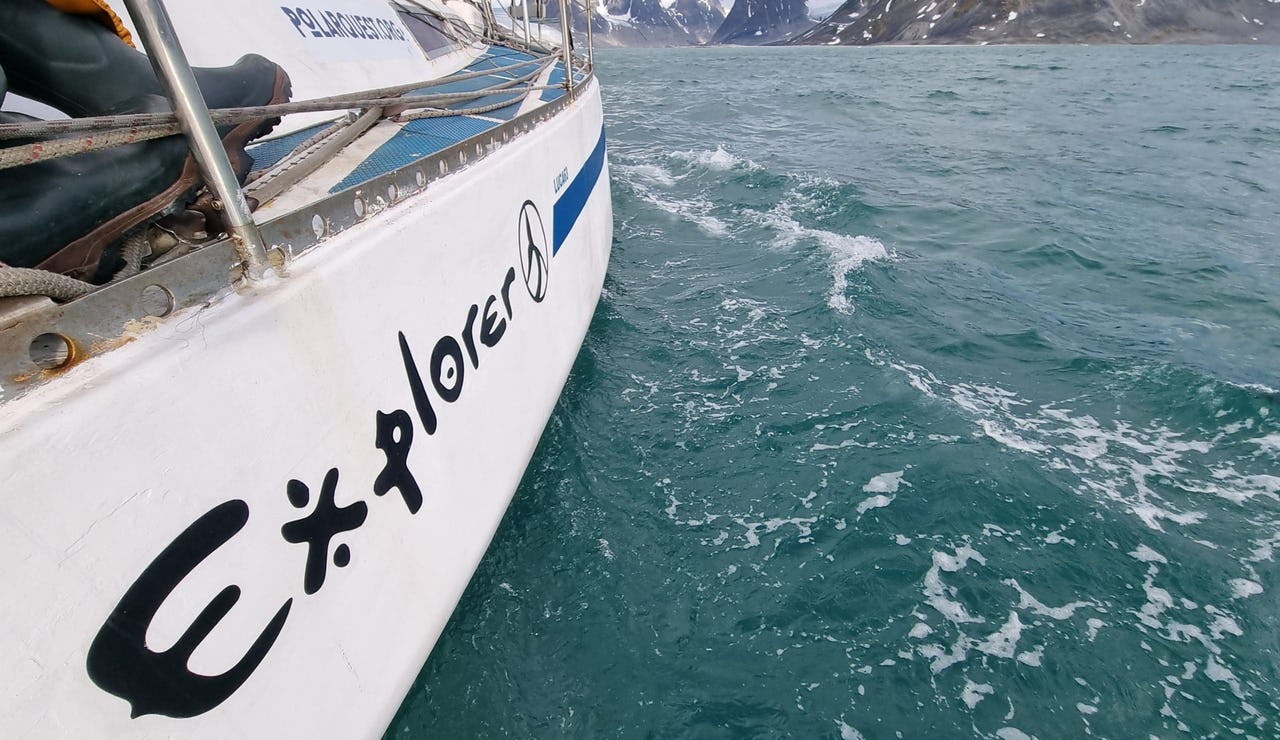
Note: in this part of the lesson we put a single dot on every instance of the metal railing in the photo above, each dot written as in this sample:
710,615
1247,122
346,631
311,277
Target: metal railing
198,126
179,82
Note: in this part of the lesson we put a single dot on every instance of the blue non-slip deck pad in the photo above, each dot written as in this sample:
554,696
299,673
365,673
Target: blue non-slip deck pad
424,137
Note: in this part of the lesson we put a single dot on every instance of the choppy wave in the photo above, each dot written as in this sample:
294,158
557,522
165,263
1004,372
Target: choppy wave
716,160
1157,473
947,415
669,183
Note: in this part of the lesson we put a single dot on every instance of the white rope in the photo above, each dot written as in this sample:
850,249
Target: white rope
22,281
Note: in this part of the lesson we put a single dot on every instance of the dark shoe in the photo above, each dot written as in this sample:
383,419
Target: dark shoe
60,214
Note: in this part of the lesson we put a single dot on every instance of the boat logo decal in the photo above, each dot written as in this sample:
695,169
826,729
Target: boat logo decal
573,200
533,251
119,660
329,24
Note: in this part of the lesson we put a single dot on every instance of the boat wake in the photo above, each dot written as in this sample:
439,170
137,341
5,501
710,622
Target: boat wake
784,212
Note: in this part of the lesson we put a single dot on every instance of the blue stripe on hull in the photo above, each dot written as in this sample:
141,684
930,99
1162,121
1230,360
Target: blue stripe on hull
574,198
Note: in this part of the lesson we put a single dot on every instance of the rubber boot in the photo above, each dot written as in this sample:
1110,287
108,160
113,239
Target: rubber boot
82,68
61,214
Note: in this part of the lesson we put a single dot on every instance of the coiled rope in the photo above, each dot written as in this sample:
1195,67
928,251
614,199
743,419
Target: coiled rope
17,282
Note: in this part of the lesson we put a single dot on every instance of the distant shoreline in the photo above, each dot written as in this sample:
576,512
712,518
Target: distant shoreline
950,44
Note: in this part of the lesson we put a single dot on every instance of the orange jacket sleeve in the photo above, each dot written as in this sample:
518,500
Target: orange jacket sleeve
99,10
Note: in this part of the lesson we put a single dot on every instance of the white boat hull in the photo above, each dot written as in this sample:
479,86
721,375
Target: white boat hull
201,443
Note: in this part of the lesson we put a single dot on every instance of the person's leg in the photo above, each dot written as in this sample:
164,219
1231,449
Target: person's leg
79,66
61,214
89,199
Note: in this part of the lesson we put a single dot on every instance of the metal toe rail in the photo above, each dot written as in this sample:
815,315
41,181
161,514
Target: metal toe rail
110,317
179,82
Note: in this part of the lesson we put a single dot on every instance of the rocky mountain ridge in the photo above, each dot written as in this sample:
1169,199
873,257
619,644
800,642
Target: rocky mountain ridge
862,22
653,22
763,21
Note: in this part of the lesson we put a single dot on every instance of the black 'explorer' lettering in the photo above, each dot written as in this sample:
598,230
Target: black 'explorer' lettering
160,683
396,474
318,528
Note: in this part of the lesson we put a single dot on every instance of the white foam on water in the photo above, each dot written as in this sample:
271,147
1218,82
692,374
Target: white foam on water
1170,476
1157,613
1003,643
920,631
646,172
717,160
1032,657
939,595
604,549
1138,468
1219,673
847,732
822,446
1009,438
1243,588
1236,487
1269,443
1147,555
1259,388
874,502
1055,537
846,253
754,529
975,692
1223,624
1158,601
942,659
694,210
956,562
1264,549
1027,601
1012,733
885,483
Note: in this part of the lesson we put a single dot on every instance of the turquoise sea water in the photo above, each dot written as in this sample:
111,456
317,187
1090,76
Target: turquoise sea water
933,394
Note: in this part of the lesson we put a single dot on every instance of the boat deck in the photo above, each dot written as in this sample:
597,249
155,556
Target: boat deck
314,183
391,145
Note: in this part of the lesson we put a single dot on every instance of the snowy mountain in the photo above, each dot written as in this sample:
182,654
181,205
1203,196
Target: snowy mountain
652,22
1039,21
763,21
